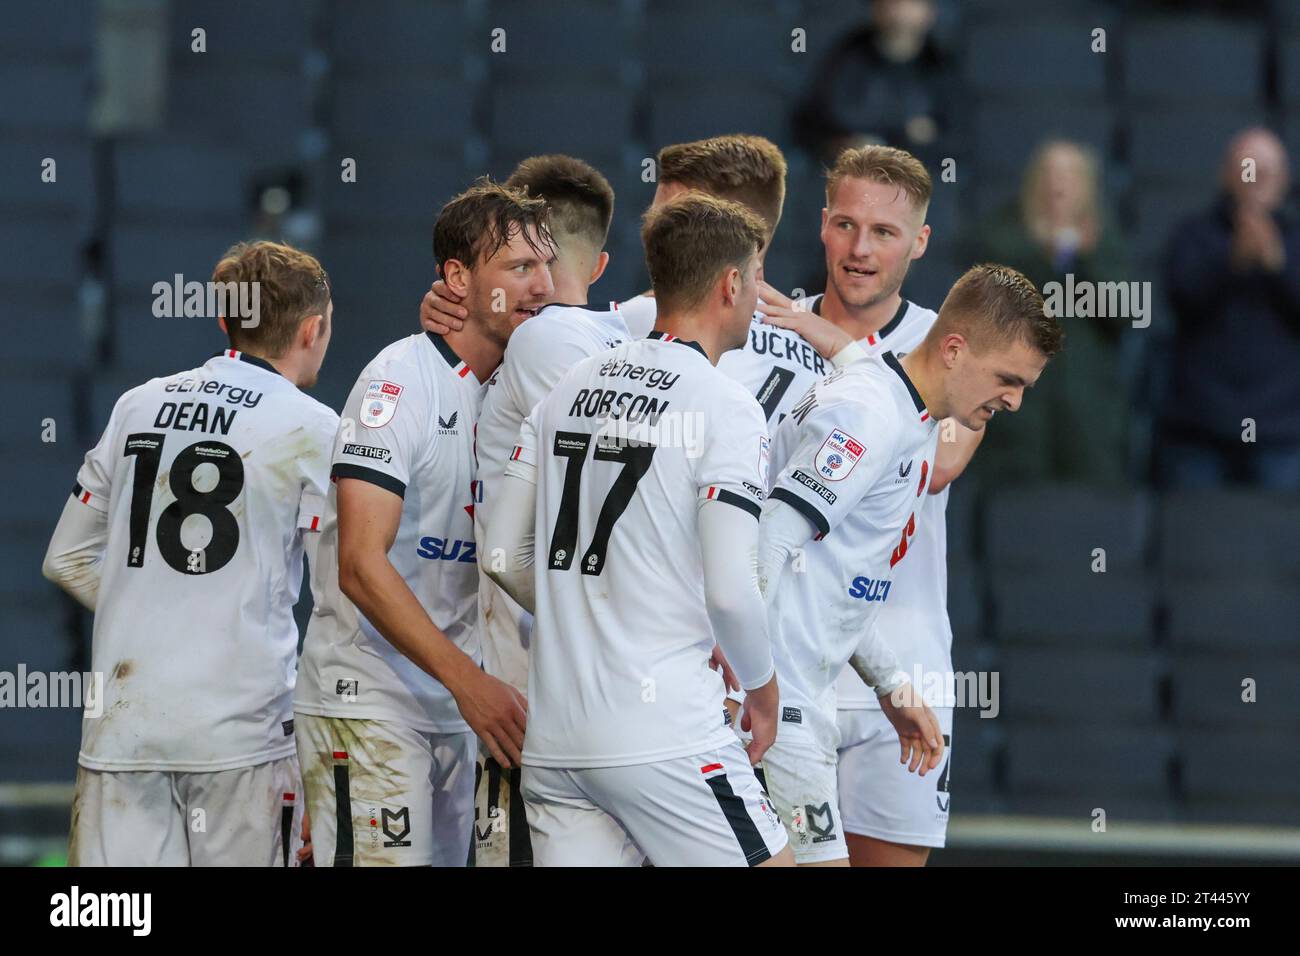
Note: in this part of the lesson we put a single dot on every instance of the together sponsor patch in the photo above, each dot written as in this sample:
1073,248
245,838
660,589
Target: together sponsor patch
808,481
368,451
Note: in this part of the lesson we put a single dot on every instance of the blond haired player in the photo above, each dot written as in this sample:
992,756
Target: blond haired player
185,535
873,228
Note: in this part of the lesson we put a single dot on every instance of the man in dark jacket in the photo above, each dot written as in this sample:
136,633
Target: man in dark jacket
1232,276
888,82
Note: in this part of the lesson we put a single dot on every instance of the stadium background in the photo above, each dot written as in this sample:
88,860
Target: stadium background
1119,691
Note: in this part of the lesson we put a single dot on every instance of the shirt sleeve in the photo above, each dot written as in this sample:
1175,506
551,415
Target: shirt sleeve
841,449
538,356
734,451
384,427
316,473
94,484
523,457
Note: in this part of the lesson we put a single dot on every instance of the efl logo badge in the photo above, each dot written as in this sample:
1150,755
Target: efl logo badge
837,456
379,404
764,459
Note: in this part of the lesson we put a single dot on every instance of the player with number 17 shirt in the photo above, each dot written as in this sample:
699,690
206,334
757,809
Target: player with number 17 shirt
634,493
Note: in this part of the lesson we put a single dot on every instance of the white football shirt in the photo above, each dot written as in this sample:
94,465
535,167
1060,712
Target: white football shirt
408,426
209,479
854,458
915,618
639,314
541,351
625,448
775,365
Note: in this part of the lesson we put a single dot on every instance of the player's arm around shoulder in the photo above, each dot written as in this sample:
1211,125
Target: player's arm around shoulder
831,342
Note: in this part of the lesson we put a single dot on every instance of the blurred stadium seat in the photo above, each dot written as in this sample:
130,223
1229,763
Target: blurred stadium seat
1039,61
1076,771
1198,61
1240,777
392,185
161,180
48,96
1080,686
425,108
398,34
1077,609
524,113
1229,534
973,763
1060,526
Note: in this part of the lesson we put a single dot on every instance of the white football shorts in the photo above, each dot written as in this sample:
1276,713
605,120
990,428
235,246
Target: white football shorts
799,771
383,794
878,797
247,816
704,810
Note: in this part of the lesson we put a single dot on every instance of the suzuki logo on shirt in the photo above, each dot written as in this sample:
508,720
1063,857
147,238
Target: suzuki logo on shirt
447,549
865,589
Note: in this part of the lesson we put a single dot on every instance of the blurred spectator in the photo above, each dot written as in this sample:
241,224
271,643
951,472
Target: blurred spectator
884,83
1075,426
1233,279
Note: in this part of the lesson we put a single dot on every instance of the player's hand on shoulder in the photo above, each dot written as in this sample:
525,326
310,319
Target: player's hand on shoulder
918,728
758,718
496,712
780,310
441,311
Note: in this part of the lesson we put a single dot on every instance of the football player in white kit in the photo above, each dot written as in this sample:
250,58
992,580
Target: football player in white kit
390,693
185,535
746,169
540,353
873,228
854,459
635,544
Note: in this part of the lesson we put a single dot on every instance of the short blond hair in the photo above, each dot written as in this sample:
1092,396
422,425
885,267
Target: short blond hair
994,305
882,164
690,240
291,285
746,169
